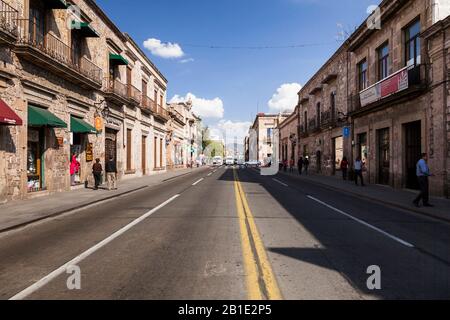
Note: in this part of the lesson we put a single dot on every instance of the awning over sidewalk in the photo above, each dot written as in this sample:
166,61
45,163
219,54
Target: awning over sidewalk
79,126
40,117
8,116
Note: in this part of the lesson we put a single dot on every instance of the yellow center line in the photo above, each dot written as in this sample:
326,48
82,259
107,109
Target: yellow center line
260,279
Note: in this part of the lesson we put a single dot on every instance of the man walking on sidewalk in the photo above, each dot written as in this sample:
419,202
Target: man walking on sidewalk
344,168
97,171
359,171
300,165
306,163
423,172
111,173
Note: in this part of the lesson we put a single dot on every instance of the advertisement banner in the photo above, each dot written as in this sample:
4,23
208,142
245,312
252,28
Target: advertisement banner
394,84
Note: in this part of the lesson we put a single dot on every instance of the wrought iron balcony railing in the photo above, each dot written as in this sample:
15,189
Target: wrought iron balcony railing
29,33
8,18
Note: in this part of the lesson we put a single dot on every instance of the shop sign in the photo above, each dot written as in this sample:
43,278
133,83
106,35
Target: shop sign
60,141
98,123
89,152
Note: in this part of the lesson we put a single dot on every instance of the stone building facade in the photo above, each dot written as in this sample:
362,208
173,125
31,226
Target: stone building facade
263,137
383,97
77,83
184,145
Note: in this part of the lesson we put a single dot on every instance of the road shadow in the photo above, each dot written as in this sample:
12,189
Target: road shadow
350,249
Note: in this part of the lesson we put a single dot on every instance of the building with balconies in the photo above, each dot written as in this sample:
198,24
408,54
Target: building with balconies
383,97
396,100
73,86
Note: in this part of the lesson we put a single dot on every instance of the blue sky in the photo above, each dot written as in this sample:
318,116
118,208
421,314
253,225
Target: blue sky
239,79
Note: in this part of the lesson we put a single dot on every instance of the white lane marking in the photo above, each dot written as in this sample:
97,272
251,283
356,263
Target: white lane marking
403,242
197,182
209,174
45,280
282,183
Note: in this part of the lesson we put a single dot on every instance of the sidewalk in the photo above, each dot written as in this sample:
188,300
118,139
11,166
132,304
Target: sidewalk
398,198
15,214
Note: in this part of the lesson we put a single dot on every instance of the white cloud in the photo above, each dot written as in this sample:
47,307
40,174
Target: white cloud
164,50
204,108
286,98
230,130
186,60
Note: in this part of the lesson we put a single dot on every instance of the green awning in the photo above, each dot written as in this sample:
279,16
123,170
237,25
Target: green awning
39,117
85,29
79,126
117,59
56,4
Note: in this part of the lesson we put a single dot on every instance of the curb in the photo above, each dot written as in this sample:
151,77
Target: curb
58,213
356,194
98,201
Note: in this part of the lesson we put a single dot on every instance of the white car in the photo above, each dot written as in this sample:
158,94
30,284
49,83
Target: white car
217,161
229,161
253,164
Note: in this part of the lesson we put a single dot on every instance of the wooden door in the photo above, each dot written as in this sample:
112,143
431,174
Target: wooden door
144,155
384,161
413,152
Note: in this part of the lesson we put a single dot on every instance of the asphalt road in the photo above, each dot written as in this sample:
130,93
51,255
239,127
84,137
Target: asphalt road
206,236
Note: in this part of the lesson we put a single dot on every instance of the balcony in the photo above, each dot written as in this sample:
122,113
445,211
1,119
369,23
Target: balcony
161,114
401,86
116,92
327,120
48,51
312,126
8,23
302,131
148,105
177,116
134,94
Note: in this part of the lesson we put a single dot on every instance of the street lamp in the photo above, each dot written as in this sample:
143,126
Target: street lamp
101,108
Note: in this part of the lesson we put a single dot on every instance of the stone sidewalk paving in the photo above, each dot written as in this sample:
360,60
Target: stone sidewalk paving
15,214
387,195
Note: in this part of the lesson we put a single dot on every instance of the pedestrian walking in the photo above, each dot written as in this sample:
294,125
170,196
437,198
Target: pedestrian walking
111,173
300,165
306,163
359,171
423,173
97,172
291,165
285,165
344,168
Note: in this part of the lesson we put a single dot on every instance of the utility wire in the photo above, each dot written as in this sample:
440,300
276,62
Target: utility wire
294,46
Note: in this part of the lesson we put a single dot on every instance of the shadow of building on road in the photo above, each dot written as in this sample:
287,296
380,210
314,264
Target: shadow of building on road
347,247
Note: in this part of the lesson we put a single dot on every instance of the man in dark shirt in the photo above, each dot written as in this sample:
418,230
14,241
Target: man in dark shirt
111,173
97,171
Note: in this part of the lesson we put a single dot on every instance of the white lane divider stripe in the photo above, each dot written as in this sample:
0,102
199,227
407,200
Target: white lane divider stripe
48,278
282,183
403,242
209,174
197,182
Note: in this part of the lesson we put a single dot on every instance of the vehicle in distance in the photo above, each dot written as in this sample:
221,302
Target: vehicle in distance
217,161
229,161
254,164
